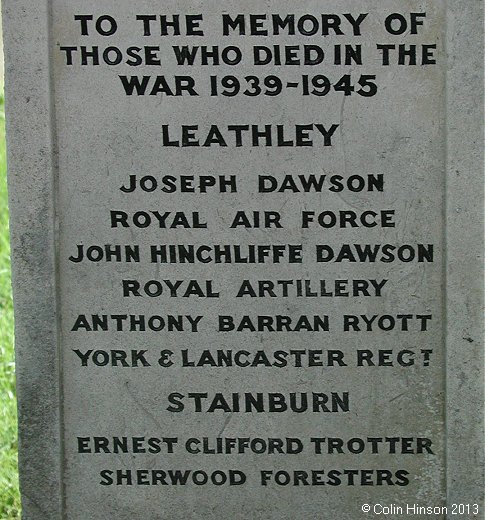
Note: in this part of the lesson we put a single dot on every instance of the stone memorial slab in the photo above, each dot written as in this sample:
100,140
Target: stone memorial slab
247,255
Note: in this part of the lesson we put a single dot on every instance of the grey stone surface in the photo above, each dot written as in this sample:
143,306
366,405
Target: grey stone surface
76,138
1,56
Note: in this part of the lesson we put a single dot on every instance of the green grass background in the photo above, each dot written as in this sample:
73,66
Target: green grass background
9,492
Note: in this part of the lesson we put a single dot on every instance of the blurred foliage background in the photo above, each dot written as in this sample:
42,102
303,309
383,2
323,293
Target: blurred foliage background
9,492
